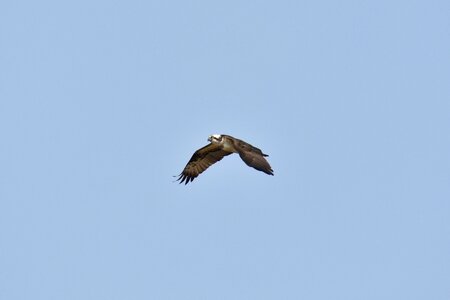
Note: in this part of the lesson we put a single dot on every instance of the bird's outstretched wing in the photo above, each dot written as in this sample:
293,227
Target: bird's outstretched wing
253,157
200,161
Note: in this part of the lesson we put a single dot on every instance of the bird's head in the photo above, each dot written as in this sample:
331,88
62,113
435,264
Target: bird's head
215,138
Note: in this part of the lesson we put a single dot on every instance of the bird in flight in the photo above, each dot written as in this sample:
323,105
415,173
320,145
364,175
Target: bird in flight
220,146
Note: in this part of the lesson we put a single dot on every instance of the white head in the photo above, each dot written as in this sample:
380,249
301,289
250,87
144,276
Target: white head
215,138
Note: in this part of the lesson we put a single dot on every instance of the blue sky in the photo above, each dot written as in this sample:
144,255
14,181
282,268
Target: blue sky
102,102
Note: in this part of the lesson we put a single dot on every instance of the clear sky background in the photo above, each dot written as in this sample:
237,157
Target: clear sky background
102,102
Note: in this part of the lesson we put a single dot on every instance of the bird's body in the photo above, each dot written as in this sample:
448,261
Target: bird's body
220,146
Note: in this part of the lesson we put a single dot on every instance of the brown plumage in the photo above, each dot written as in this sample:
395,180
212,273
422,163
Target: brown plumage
221,146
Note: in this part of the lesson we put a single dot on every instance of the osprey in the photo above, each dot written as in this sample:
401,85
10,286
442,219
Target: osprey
222,145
